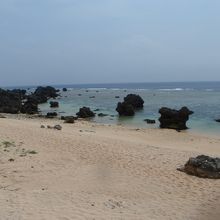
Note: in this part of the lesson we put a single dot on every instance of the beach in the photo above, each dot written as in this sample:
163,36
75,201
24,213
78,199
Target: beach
100,171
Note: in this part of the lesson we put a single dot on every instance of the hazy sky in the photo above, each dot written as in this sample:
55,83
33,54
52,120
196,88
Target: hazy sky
89,41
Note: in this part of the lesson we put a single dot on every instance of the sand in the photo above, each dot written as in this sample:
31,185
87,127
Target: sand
93,171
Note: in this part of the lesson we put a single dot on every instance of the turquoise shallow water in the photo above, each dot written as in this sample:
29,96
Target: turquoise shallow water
204,101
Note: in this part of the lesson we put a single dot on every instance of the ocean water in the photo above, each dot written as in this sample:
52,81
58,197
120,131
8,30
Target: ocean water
201,97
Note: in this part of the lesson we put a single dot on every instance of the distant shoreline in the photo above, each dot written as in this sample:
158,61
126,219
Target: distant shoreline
85,85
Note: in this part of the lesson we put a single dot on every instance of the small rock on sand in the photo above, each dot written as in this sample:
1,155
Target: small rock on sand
58,127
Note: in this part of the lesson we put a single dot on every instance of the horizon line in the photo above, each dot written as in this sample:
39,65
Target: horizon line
108,83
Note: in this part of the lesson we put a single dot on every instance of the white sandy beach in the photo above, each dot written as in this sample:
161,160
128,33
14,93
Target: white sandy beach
93,171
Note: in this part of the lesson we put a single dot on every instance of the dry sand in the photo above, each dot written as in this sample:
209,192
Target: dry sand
91,171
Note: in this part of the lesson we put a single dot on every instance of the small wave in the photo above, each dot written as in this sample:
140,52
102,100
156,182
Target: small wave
175,89
142,89
209,90
96,88
115,89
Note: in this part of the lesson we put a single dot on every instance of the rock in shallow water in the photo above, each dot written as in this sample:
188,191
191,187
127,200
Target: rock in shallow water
125,109
150,121
203,166
174,119
131,103
135,100
85,112
51,115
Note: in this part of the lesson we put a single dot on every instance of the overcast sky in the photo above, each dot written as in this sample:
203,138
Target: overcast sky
95,41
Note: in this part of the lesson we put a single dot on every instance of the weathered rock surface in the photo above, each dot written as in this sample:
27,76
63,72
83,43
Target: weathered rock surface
125,109
135,100
16,101
85,112
10,102
21,92
174,119
203,166
131,103
42,94
48,92
29,107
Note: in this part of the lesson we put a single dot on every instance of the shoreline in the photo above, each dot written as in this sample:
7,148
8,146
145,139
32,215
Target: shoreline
93,171
189,131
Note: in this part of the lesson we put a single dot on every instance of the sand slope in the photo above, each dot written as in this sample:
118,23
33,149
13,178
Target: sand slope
89,171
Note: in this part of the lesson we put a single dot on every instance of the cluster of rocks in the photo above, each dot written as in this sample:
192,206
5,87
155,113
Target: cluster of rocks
56,127
16,101
51,114
131,103
202,166
170,118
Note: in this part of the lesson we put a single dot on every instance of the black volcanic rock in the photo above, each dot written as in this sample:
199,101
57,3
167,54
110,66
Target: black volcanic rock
51,115
174,119
54,104
150,121
37,99
85,112
68,119
135,100
102,115
203,166
64,89
217,120
42,94
125,109
10,102
16,100
29,107
21,92
131,103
